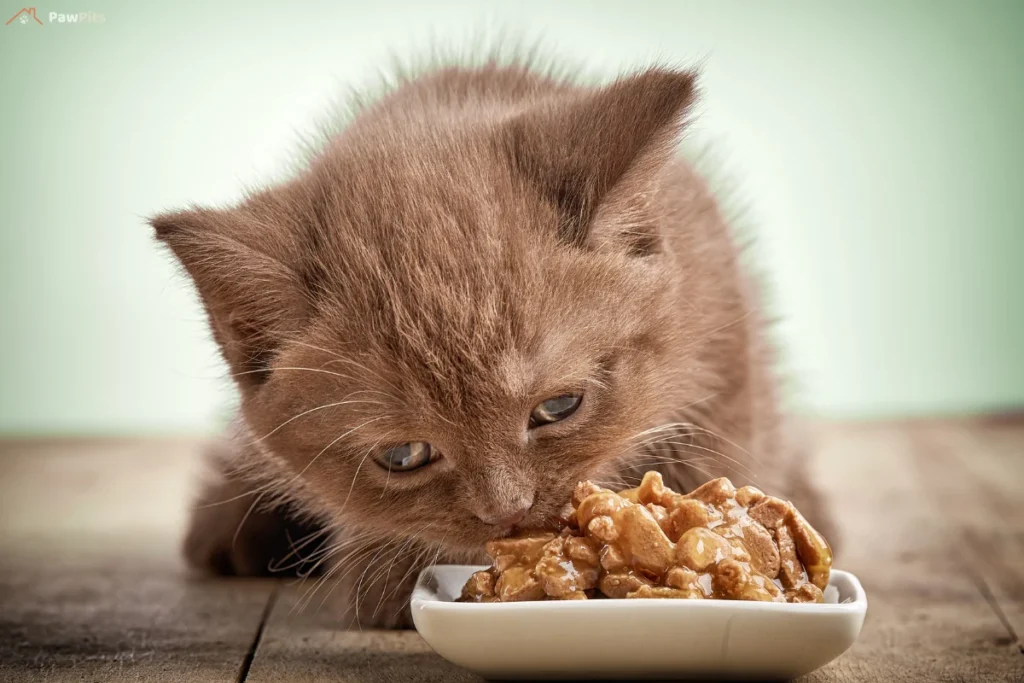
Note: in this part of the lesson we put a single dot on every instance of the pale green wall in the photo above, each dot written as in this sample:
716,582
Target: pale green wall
879,144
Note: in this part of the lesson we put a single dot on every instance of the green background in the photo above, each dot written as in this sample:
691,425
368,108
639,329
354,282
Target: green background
878,145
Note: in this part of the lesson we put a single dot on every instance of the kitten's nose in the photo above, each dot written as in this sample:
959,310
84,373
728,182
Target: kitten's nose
506,518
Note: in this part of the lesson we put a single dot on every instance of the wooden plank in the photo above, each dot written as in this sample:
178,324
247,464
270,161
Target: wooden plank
307,645
927,619
91,586
975,475
124,619
56,488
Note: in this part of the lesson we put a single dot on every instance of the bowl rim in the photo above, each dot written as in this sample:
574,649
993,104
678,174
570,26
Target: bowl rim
425,597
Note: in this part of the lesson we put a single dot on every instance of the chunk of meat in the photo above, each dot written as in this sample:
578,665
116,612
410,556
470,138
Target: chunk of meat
651,542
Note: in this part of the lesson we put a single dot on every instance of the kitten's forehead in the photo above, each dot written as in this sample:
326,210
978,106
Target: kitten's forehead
424,186
556,361
447,268
434,235
478,342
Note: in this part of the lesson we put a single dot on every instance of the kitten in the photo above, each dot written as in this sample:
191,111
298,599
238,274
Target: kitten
491,284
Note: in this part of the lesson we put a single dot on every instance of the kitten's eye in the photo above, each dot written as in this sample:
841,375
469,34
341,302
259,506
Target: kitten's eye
408,456
554,409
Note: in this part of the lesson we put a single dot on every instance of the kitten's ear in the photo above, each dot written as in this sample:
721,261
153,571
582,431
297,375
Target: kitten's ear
603,147
241,269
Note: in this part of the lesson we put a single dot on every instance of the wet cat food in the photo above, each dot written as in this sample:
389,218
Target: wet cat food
651,542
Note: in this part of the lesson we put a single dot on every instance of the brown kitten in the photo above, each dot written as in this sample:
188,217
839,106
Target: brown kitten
475,243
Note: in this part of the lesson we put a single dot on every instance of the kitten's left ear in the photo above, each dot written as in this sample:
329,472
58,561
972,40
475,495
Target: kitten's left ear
604,147
244,268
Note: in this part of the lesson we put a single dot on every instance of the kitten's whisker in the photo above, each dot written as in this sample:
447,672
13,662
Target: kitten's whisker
330,548
384,569
307,412
412,536
576,377
317,456
689,462
242,475
748,470
414,564
656,461
373,373
653,448
361,557
386,482
358,553
722,438
437,553
658,438
699,401
362,574
417,559
295,548
359,468
260,490
329,552
659,428
439,546
324,557
238,529
391,566
294,369
304,576
314,346
396,543
711,333
673,425
301,603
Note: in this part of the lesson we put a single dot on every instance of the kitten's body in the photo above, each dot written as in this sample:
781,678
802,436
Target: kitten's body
474,242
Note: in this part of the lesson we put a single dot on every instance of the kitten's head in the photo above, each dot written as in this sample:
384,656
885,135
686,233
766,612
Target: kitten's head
449,319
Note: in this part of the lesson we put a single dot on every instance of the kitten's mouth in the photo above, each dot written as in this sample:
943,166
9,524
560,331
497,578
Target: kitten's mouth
516,530
552,524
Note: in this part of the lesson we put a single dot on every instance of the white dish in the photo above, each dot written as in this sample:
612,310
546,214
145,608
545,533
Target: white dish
635,638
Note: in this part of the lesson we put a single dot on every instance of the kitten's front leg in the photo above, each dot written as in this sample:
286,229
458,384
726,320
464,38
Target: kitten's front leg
231,533
375,583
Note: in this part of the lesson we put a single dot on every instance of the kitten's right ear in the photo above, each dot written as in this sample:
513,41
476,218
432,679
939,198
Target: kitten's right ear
600,146
241,269
167,226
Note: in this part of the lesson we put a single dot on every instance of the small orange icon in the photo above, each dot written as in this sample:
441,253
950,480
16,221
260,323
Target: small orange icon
24,15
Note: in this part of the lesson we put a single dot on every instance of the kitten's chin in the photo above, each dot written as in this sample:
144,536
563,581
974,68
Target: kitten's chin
469,553
552,523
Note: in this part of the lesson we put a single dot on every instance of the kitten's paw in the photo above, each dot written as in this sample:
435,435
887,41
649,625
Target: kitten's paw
230,535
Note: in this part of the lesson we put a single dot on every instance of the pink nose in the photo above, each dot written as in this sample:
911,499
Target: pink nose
504,519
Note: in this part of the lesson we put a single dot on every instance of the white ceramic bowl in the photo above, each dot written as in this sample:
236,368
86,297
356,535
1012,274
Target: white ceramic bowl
635,638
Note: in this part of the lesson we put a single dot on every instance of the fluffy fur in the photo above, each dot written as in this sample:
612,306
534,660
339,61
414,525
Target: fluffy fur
473,242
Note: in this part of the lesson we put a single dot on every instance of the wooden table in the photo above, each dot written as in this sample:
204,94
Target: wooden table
91,588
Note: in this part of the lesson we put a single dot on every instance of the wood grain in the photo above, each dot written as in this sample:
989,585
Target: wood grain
976,480
306,645
114,620
927,618
91,587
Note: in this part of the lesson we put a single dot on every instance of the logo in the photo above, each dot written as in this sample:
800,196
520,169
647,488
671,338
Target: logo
28,14
77,18
24,16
